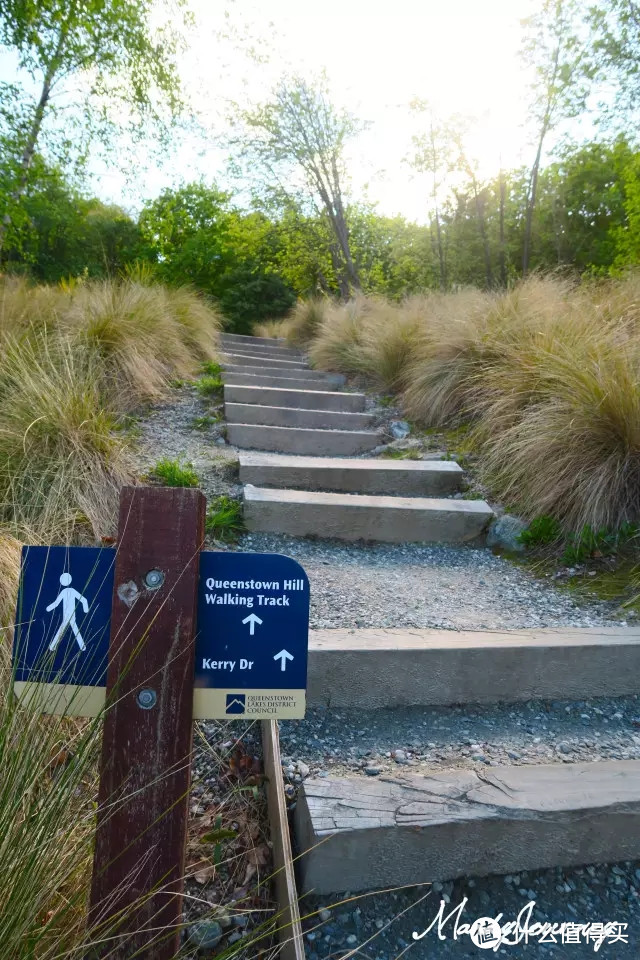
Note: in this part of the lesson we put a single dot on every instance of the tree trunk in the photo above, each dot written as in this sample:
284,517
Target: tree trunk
346,273
503,257
34,132
482,228
342,228
531,202
441,263
27,154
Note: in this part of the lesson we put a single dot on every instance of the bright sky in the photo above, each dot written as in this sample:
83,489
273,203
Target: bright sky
461,55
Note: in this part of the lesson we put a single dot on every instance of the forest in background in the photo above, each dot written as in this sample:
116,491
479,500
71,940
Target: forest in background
291,227
257,263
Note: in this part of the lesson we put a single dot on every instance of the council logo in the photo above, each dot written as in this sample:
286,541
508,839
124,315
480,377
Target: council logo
235,703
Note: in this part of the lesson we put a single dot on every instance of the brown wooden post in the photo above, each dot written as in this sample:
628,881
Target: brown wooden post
136,894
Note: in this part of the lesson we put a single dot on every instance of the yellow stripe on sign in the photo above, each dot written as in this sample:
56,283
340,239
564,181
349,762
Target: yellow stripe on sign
256,704
62,699
76,701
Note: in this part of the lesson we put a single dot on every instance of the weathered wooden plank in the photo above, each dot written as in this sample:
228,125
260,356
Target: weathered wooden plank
465,823
290,929
147,740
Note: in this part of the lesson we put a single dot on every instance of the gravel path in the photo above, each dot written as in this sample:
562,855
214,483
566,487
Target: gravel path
170,430
380,585
416,740
414,585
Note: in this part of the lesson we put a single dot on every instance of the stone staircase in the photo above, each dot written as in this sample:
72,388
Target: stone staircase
299,435
306,481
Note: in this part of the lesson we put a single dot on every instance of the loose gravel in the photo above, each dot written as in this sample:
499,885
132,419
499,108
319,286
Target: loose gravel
416,740
416,585
169,430
381,927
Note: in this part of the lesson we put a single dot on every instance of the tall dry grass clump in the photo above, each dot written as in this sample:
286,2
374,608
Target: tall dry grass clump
276,329
76,359
548,374
306,319
338,342
370,337
143,334
47,821
61,462
559,417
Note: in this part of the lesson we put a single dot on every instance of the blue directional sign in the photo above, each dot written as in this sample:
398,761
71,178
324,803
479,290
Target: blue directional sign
251,645
61,636
253,630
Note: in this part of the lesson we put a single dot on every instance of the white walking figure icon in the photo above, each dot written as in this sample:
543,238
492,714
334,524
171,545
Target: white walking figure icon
69,598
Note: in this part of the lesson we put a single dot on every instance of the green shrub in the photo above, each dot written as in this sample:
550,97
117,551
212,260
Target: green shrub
209,386
224,519
588,543
541,532
173,473
203,423
211,368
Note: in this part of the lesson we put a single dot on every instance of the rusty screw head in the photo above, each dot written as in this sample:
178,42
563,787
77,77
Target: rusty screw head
147,698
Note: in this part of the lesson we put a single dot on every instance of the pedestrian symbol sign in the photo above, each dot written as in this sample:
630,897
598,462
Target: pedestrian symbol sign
69,599
62,626
253,629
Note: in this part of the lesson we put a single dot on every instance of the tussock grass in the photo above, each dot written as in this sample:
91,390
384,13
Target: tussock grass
338,344
61,464
306,320
46,824
278,329
547,373
9,571
77,360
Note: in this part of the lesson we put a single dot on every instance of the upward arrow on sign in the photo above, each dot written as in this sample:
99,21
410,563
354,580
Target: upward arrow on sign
252,620
283,656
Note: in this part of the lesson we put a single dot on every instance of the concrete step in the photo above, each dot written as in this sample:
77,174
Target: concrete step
250,360
303,376
296,417
251,338
373,669
358,834
245,340
332,443
408,477
348,516
256,348
302,399
286,383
